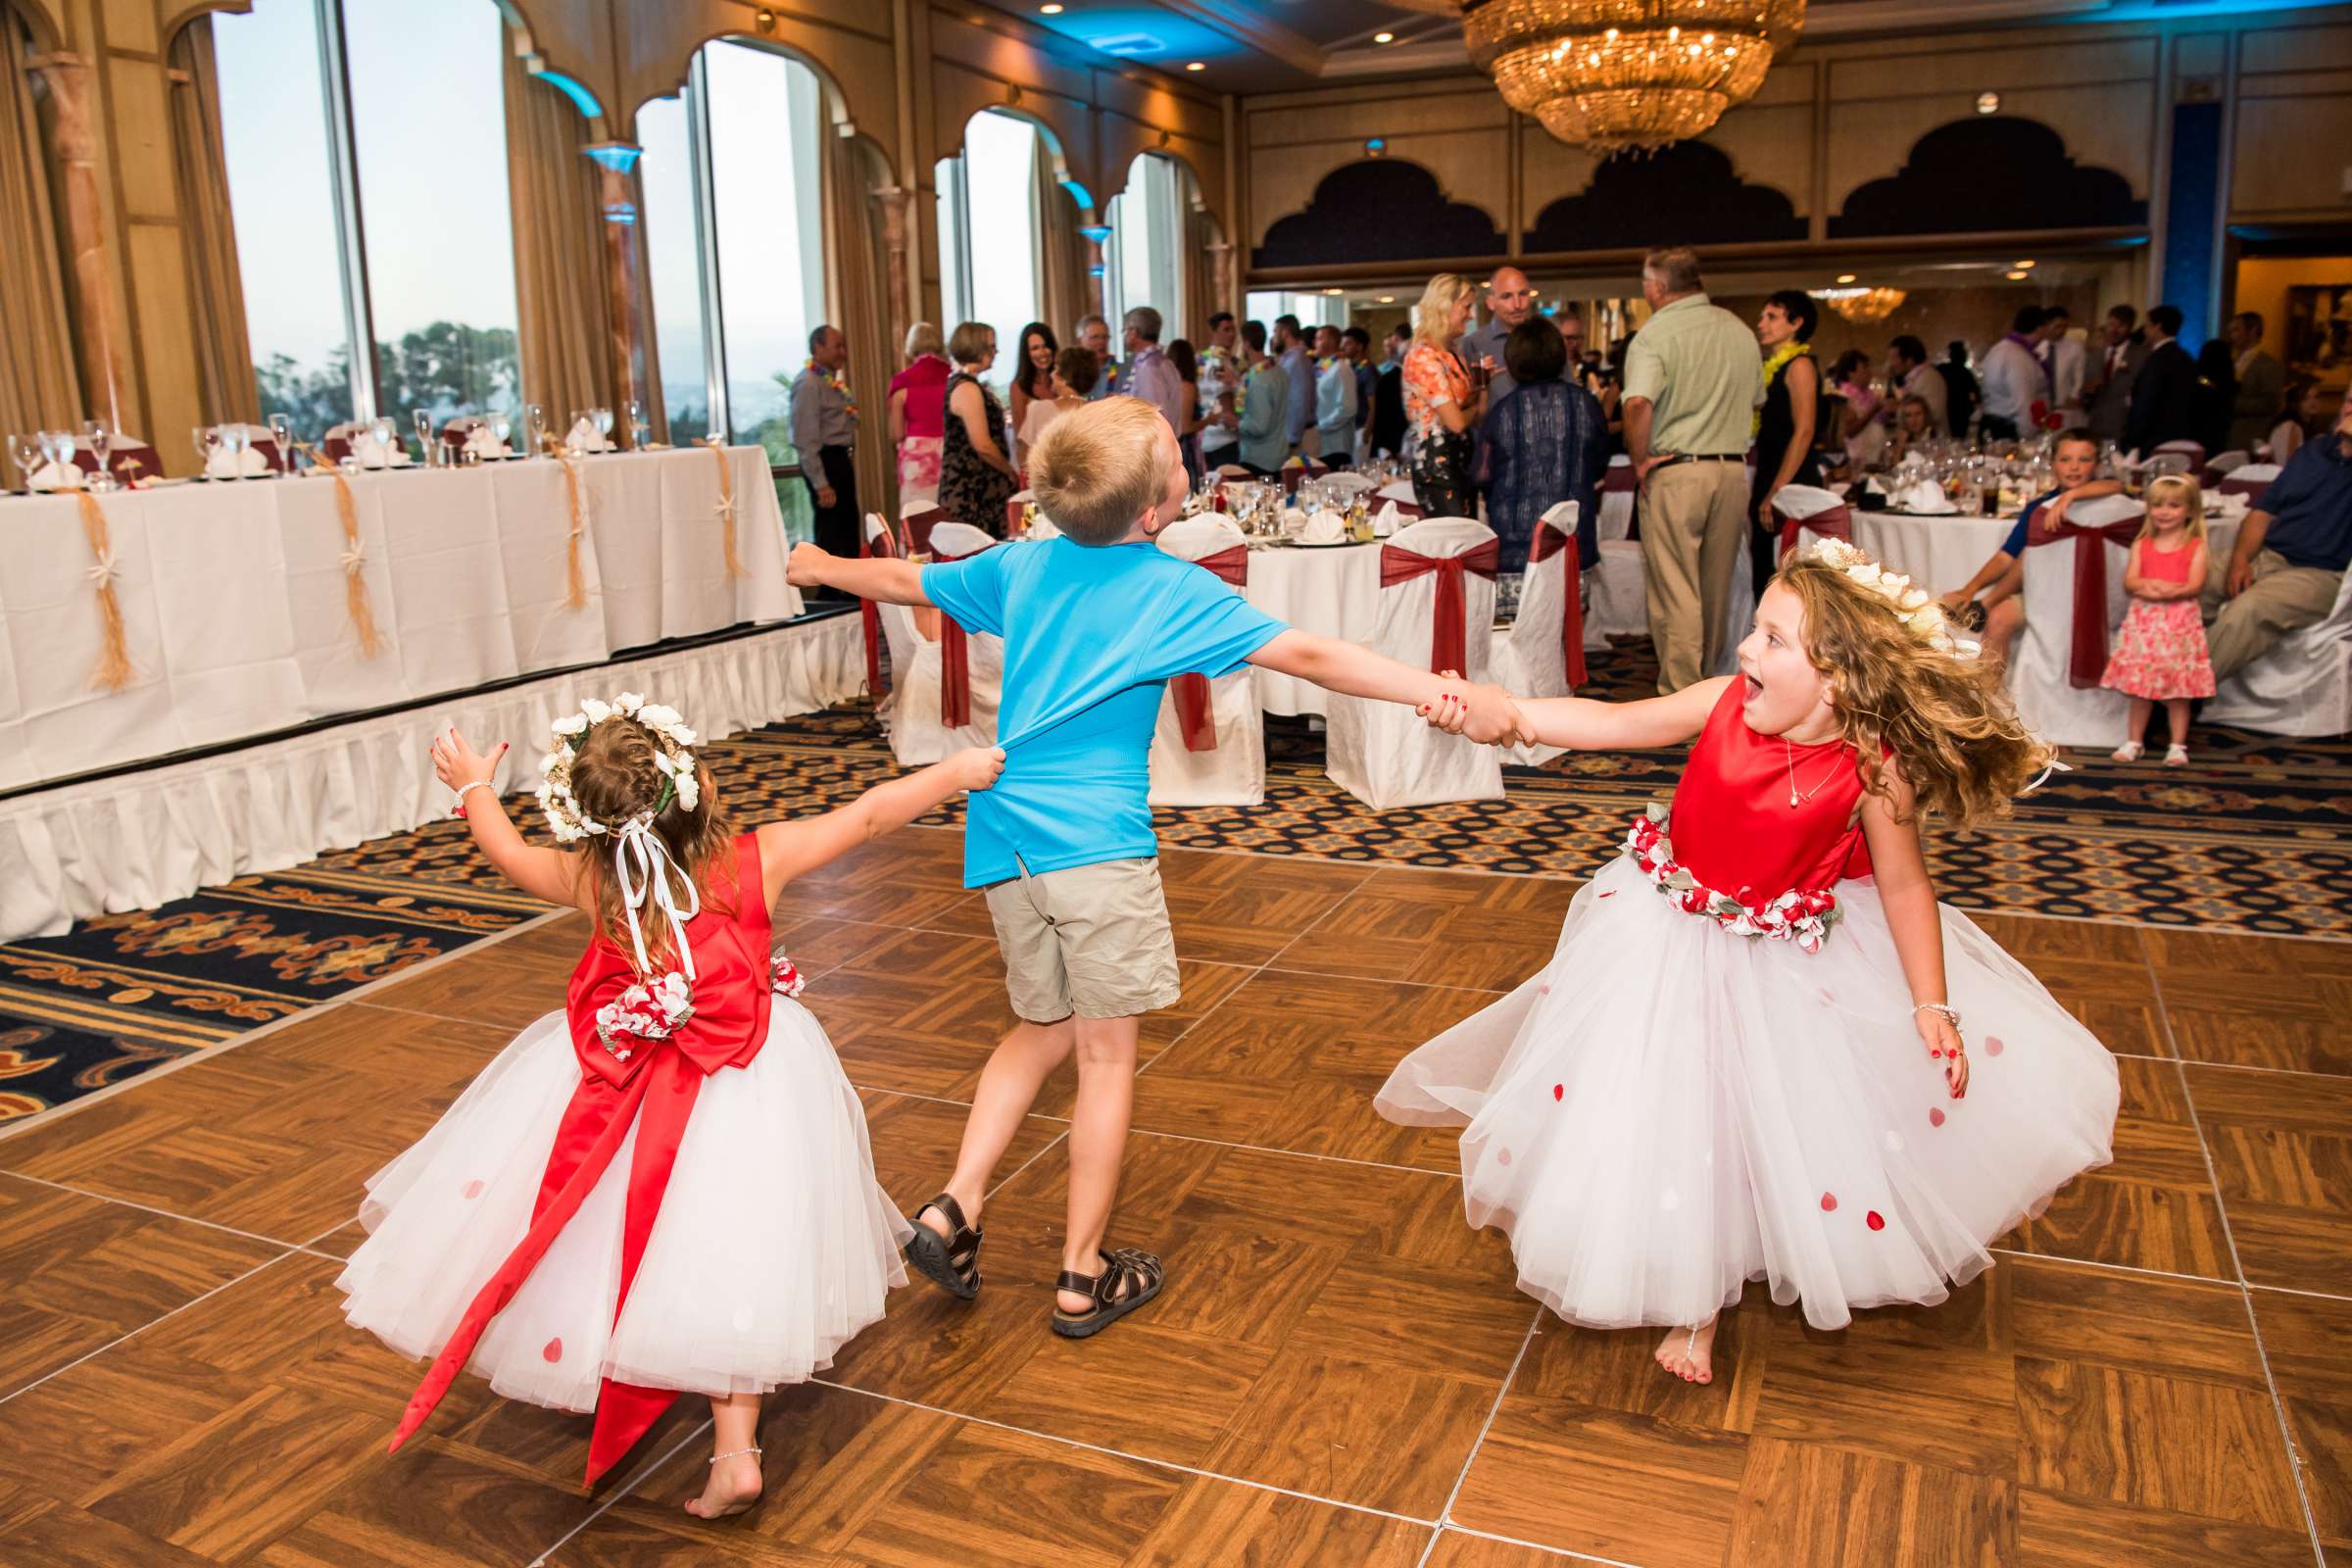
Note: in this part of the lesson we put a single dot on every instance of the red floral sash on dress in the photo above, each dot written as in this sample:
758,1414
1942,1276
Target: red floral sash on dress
1798,917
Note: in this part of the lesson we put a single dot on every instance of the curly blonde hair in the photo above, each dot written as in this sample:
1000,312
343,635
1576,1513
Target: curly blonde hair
1950,727
1433,315
614,777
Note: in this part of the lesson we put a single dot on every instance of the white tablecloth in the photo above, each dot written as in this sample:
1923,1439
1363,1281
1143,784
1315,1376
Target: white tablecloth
1938,553
233,601
1332,592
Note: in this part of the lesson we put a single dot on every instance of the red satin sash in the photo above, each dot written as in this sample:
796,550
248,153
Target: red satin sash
655,1091
1292,478
918,527
2086,659
1012,516
1548,542
1836,523
954,664
869,616
1618,478
1193,720
1449,640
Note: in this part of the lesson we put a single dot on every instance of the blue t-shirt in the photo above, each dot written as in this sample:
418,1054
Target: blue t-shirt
1092,635
2014,547
2310,505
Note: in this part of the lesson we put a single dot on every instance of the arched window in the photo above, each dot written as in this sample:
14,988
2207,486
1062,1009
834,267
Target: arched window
1143,261
988,227
348,129
734,241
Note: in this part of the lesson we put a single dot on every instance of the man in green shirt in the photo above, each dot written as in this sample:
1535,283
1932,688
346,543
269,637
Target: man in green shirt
1693,378
1264,423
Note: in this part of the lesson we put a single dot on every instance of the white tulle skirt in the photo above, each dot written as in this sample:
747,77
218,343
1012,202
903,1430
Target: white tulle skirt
774,1248
1669,1110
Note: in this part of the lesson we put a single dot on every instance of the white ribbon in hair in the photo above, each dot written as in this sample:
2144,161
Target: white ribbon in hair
649,877
2043,778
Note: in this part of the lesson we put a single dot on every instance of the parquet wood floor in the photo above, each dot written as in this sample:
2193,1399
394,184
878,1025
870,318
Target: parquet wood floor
1339,1373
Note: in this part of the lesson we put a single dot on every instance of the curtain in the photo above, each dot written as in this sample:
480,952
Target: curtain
224,381
39,386
858,266
1064,291
562,295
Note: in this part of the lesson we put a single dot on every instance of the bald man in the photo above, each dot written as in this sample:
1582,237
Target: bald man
1510,301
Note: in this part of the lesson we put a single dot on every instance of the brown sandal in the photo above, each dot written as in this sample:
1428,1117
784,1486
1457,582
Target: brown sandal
953,1261
1130,1280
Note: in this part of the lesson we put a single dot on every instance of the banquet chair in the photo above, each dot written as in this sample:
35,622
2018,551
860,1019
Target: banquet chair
1807,516
1400,491
2223,466
2303,686
1542,653
2050,688
336,444
1223,762
1348,482
127,457
2193,450
2249,480
916,519
1384,754
1620,585
915,714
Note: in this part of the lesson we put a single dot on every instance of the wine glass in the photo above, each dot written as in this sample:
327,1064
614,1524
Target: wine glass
281,431
603,418
637,425
24,451
100,439
383,430
502,427
535,416
208,442
424,435
234,441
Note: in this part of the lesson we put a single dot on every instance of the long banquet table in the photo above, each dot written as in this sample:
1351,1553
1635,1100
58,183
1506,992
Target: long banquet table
234,595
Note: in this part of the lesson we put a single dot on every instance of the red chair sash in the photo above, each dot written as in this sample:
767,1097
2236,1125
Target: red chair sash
1292,478
2086,659
1548,542
955,665
870,615
1194,718
119,461
1012,516
1836,523
2233,486
918,527
1618,478
1449,640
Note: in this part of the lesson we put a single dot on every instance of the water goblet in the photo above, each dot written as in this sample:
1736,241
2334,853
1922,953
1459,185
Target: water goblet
24,451
603,418
502,428
207,439
58,446
234,441
423,420
281,431
100,440
637,425
534,416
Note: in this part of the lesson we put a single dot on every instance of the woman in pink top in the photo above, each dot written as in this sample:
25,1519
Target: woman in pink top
918,412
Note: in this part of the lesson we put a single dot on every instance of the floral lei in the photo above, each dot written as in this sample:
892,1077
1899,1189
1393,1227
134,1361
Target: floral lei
1804,918
1772,368
837,381
674,755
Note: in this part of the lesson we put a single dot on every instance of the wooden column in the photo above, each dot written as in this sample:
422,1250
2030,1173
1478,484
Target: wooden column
99,339
896,202
616,161
1098,267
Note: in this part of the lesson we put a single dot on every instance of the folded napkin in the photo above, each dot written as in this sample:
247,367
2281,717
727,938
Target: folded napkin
483,442
57,477
1927,498
1325,527
370,453
585,436
1387,521
246,465
1398,490
1293,521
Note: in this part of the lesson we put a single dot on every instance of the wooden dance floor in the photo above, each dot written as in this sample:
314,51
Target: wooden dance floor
1339,1373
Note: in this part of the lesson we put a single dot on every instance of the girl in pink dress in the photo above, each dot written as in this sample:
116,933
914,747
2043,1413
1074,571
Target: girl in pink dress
1745,1059
2160,652
664,1186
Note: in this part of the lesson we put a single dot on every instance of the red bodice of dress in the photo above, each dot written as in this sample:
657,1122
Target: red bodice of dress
1732,826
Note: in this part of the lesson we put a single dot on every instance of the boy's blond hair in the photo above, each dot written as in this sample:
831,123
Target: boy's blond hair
2192,496
1098,468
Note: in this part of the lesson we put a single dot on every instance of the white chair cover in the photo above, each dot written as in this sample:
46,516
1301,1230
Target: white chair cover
2039,671
1528,659
1400,491
1233,772
1348,482
910,714
1616,518
2248,479
1802,501
2228,462
2303,686
952,541
1386,754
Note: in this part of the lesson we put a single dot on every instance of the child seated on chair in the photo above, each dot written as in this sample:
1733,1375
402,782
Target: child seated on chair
1095,624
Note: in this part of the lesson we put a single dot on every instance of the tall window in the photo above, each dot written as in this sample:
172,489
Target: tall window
1144,261
735,242
1312,310
414,158
988,225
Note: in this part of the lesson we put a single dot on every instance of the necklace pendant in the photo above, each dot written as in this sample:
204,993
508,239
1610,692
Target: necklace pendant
1792,800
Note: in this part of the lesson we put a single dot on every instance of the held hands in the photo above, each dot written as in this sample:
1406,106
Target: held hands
1944,1043
976,767
1482,714
806,566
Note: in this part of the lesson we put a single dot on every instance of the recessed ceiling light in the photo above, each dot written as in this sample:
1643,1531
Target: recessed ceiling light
2024,267
1387,299
1384,38
1845,278
1331,291
2019,276
1198,64
1049,10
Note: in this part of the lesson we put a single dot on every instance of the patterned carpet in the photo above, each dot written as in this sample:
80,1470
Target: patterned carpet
2256,836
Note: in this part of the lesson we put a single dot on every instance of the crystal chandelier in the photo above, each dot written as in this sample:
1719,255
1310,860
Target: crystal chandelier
1862,305
1616,73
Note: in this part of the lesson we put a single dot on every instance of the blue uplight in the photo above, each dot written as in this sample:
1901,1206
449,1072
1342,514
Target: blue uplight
582,98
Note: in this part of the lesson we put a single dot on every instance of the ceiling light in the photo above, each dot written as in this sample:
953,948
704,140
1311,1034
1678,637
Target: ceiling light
1198,64
2019,277
1845,278
2024,267
1387,299
1384,38
1989,103
1049,10
1331,291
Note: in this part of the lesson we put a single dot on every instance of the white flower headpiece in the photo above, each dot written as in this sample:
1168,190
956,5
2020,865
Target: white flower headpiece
1916,609
674,755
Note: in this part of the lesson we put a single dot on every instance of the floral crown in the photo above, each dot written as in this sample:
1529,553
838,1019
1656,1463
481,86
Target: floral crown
1913,606
672,755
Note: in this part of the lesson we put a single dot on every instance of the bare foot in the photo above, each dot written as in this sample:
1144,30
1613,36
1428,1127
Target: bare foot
734,1487
1689,1354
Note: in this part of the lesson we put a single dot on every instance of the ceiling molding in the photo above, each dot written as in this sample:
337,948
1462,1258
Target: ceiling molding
1247,24
1388,60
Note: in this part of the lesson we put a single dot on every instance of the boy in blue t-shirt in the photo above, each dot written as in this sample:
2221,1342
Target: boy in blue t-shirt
1094,623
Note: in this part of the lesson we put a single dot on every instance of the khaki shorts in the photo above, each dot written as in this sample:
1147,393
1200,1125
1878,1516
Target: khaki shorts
1091,940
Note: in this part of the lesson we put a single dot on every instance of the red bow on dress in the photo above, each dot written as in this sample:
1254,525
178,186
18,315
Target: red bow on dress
1193,720
1838,522
2086,660
1449,640
870,615
954,664
1548,542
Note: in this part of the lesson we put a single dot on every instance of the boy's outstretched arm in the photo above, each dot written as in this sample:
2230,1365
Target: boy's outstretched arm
1583,724
1486,713
882,580
789,848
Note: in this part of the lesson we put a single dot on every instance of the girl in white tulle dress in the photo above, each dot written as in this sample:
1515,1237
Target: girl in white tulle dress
664,1186
1747,1057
